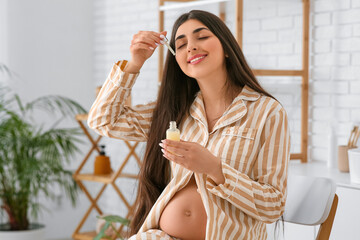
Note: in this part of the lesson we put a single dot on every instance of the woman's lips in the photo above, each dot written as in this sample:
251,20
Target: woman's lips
197,59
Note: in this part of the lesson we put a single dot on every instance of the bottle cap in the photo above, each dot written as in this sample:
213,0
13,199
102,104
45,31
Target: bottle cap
102,150
173,125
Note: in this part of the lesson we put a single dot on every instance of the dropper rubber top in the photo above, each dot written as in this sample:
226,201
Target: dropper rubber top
172,125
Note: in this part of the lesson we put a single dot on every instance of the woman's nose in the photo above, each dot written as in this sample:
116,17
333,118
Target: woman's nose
191,47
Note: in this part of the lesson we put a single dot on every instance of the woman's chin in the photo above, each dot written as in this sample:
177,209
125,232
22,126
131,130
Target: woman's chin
197,75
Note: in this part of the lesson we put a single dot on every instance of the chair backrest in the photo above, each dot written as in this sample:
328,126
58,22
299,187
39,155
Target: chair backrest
311,201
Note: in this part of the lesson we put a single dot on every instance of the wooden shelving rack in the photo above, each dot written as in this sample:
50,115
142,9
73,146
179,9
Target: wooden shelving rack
303,72
106,180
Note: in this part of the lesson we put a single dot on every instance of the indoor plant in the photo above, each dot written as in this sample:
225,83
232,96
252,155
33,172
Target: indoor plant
109,223
32,156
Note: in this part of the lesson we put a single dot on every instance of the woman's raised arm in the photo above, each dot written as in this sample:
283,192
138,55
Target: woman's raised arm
109,116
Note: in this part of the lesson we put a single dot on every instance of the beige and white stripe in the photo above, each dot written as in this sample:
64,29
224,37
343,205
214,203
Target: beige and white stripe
251,138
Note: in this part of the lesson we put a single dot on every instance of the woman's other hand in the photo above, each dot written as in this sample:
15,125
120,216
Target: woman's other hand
142,47
193,157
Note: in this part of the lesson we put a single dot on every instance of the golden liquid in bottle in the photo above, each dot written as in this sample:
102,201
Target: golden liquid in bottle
173,133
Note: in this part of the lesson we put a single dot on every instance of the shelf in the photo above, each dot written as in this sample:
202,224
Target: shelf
180,0
270,72
81,117
106,178
279,83
320,169
188,4
85,235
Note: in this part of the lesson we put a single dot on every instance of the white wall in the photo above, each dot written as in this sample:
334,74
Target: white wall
3,32
50,48
335,88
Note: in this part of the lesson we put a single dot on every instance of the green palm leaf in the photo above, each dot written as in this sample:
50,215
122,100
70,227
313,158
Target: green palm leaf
32,159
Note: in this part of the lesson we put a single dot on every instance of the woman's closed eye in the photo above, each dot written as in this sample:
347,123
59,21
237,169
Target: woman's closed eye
200,38
181,46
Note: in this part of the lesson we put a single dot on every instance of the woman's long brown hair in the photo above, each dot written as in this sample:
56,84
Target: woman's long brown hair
176,94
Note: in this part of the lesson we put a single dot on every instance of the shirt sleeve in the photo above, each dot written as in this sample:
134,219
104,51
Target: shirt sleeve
111,117
262,196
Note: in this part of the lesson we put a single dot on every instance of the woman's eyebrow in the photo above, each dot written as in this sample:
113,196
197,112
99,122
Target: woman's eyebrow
195,31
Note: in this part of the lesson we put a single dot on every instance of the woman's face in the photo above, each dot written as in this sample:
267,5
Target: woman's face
199,52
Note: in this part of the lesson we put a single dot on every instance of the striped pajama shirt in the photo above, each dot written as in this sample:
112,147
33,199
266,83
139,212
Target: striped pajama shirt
251,138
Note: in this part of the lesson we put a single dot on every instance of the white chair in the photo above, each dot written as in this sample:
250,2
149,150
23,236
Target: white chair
311,201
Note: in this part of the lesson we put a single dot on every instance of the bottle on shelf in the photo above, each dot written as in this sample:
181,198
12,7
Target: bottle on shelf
102,163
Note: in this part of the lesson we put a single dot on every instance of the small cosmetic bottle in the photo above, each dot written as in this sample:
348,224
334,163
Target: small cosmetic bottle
102,163
173,133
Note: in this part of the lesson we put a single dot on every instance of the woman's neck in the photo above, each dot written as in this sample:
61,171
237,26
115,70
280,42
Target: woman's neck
216,96
213,88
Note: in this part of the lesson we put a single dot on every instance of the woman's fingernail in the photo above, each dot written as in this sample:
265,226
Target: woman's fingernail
151,48
162,36
162,42
156,44
161,145
163,141
163,151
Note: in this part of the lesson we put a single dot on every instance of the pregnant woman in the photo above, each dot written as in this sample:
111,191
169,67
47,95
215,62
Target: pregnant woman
227,176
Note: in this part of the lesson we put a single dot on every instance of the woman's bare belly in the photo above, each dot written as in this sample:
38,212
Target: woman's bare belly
184,216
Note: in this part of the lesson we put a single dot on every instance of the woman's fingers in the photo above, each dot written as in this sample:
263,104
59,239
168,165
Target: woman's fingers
148,37
173,157
190,155
179,144
141,46
176,146
163,33
175,151
150,42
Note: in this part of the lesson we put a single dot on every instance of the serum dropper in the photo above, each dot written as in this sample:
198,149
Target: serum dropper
173,133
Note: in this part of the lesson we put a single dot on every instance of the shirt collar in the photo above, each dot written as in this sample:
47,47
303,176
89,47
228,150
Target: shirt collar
235,111
248,94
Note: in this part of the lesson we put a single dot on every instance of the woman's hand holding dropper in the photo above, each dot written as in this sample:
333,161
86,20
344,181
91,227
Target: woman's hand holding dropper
142,47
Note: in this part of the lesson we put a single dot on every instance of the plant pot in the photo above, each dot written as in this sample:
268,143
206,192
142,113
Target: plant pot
36,232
